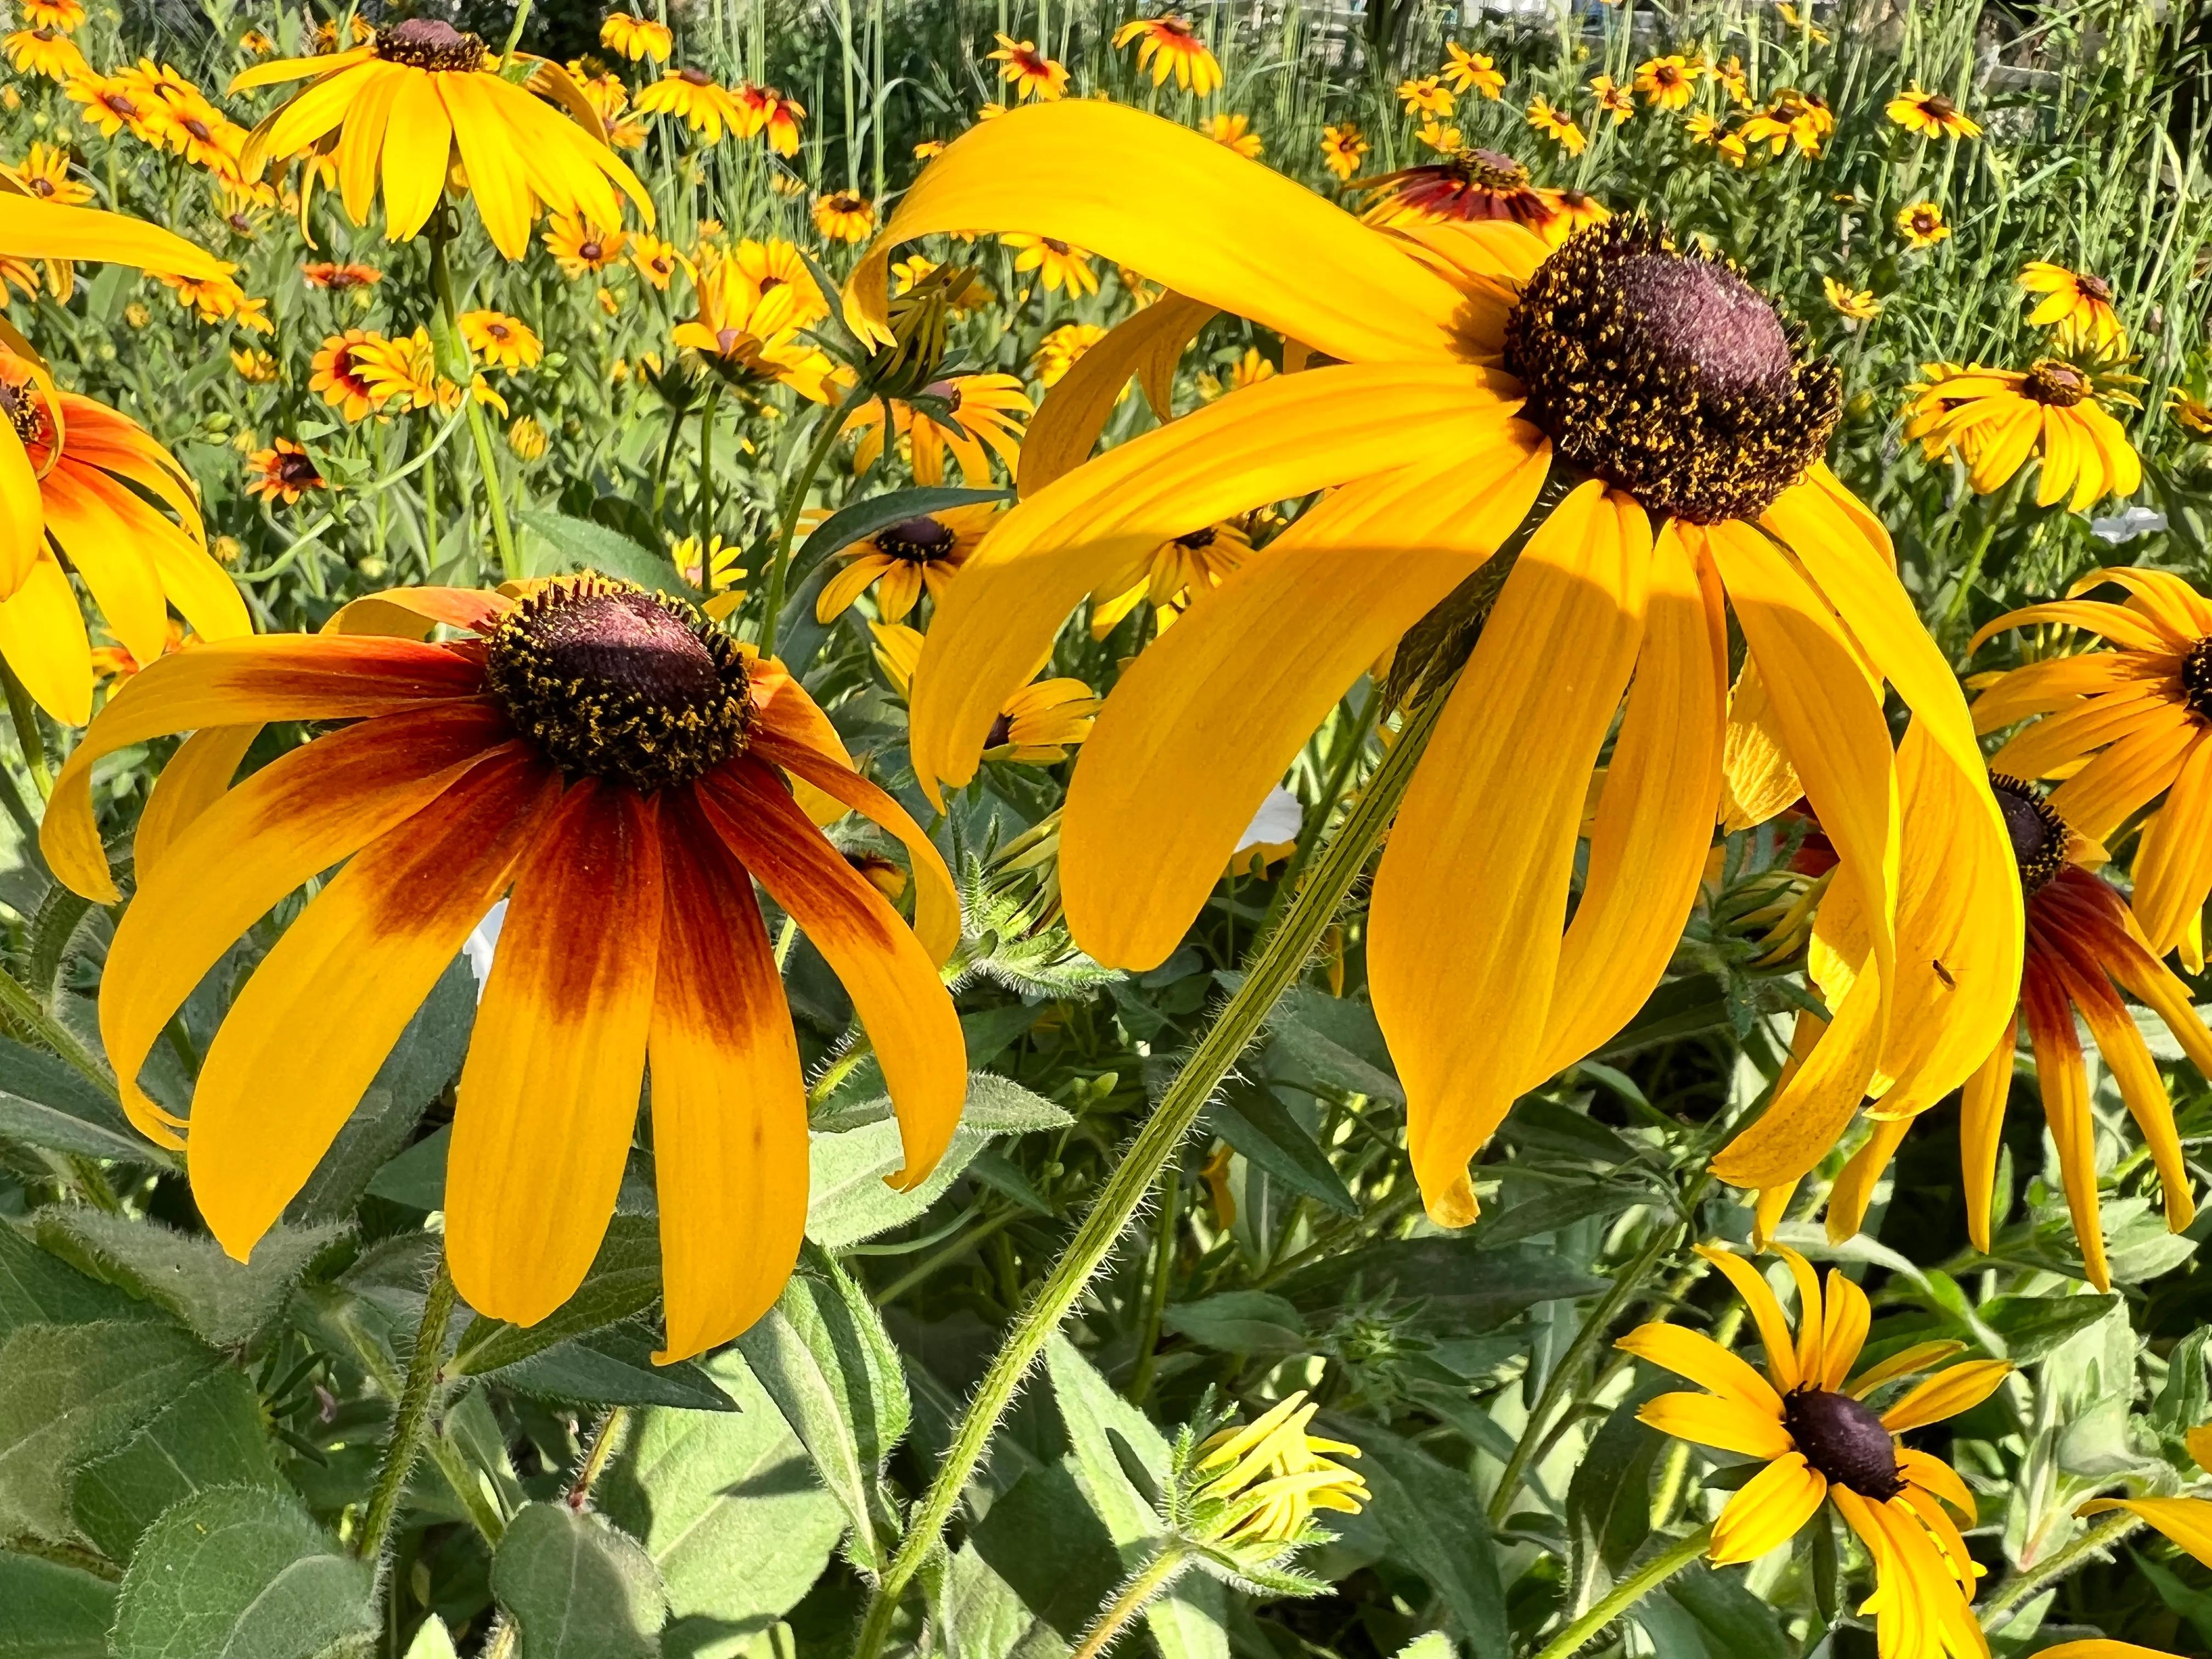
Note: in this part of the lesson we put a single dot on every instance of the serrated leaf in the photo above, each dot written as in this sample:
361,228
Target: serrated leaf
580,544
53,1611
623,1282
68,1393
613,1367
46,1102
226,1302
576,1587
2031,1326
821,1354
1437,1526
210,1435
39,1289
244,1573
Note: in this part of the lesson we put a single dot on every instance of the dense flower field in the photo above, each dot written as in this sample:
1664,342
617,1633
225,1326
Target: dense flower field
984,832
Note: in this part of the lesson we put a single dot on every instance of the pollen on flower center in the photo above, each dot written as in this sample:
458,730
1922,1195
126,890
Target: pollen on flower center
2060,385
613,682
426,43
1844,1440
24,411
1668,375
2038,834
698,77
2196,680
916,540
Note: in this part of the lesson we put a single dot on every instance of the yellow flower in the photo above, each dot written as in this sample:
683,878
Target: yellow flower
580,247
713,569
401,371
255,366
913,557
219,299
1062,347
1922,225
1999,419
928,149
636,38
1802,23
658,262
66,16
987,415
1036,725
1807,1419
47,52
2073,300
137,314
1172,46
844,216
339,279
707,107
1174,572
1029,71
1472,72
1272,1474
630,810
1429,445
337,372
1058,264
1557,126
1342,148
1438,137
2192,415
1424,95
1732,79
1467,185
1793,118
505,341
112,104
748,326
1666,82
1858,304
422,89
1613,98
1931,115
526,438
1233,132
45,173
283,472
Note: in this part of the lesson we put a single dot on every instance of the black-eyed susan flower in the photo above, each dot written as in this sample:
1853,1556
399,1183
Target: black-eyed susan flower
1930,115
1424,94
913,557
1261,1482
187,124
1731,79
1999,419
605,94
219,299
527,439
420,94
359,31
66,16
1029,71
1249,369
1573,210
1197,562
2192,415
986,417
1464,361
253,366
748,331
657,261
1472,183
1666,82
336,374
2083,948
340,278
1557,125
1234,133
707,107
1801,22
503,341
771,117
580,247
1807,1419
1342,147
1793,118
81,481
44,52
777,268
636,38
1170,46
1036,725
282,472
45,173
111,107
1441,137
628,770
1061,349
1059,265
1472,72
2071,299
712,567
1613,98
1859,305
844,216
1921,224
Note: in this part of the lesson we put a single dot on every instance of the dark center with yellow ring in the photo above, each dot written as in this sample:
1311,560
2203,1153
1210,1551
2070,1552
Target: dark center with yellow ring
615,682
1844,1440
426,43
295,469
2196,680
25,412
2060,385
2038,834
1668,375
918,541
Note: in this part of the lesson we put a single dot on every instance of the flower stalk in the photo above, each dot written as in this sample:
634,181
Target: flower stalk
411,1418
778,569
453,354
1627,1593
1151,1580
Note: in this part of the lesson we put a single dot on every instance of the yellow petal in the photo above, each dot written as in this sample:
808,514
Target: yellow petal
1712,1421
2186,1520
22,512
33,230
417,142
1854,1189
1953,1389
1765,1314
197,775
1760,780
2173,868
1769,1509
1074,412
42,636
1933,1474
1704,1362
1917,1357
1846,1316
492,155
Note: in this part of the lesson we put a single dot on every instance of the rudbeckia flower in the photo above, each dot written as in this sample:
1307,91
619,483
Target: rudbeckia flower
1801,22
1666,82
1036,725
1061,263
1061,349
844,216
1465,360
1424,95
254,366
749,332
67,16
1171,46
1931,115
1269,1476
913,557
1613,98
1557,125
1859,305
503,341
1196,561
2081,945
47,52
1793,118
658,262
1472,71
422,92
1234,133
45,173
628,770
86,485
1730,78
987,415
771,115
2000,418
337,373
1573,210
635,37
1029,71
526,440
581,247
1807,1418
283,472
1466,184
2124,726
1921,224
708,108
1342,148
2071,299
112,105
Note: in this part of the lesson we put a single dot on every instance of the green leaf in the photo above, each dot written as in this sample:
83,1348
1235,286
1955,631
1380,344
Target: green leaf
44,1101
210,1435
1190,1622
1557,1207
1041,1538
39,1289
1437,1526
432,1641
244,1573
416,1176
2184,1400
1544,1126
226,1302
702,1490
576,1587
1254,1122
613,1367
623,1281
1298,1053
68,1393
2031,1326
1735,1622
564,544
980,1615
53,1611
1465,1288
1609,1495
821,1354
1240,1322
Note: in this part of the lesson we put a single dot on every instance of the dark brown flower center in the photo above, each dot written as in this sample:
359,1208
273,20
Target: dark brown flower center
198,128
589,250
2095,288
1937,107
2196,679
2060,385
2038,834
1054,243
25,413
615,682
698,77
293,468
1844,1440
426,43
918,541
1668,375
41,187
1197,540
1001,733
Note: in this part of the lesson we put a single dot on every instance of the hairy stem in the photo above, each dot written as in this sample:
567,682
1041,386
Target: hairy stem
1161,1571
1627,1593
410,1419
2032,1581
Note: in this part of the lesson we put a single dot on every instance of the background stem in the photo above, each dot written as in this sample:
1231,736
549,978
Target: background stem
410,1419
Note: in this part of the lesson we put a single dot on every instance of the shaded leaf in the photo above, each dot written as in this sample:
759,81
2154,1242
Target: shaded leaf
1240,1322
577,1587
1255,1123
2031,1326
1465,1287
623,1281
613,1367
46,1102
39,1289
53,1611
226,1302
1437,1526
1735,1622
210,1435
564,544
1557,1207
981,1616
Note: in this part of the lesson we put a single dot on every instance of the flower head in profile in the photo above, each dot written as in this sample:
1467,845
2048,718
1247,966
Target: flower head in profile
44,52
282,472
1061,349
337,279
1465,367
254,366
905,560
844,216
1233,133
1342,147
1801,22
747,329
636,38
1930,115
1806,1418
1557,125
1170,46
1029,71
1059,265
527,439
1037,725
1472,72
1922,225
2053,411
1180,569
422,91
970,417
623,773
1795,117
1731,79
2072,301
708,108
658,262
1466,184
1666,82
503,341
1856,304
1263,1481
112,104
66,16
2192,414
772,117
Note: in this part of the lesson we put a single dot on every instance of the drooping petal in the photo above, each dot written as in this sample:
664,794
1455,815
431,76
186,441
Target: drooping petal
1487,830
1766,1314
1934,1475
2063,1082
197,775
1953,1389
1906,1361
305,118
1209,716
2186,1520
2127,1057
22,511
1712,1421
2184,614
548,1099
361,144
1981,1131
2115,623
418,141
729,1105
2173,868
31,229
1075,411
1704,1362
1846,1316
493,159
283,1075
1769,1509
1812,1313
1854,1189
100,542
42,636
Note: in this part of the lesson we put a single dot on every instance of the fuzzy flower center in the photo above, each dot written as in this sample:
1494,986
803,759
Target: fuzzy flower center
918,541
2196,680
294,468
2038,834
426,43
2060,385
1666,374
25,413
698,77
1844,1440
613,682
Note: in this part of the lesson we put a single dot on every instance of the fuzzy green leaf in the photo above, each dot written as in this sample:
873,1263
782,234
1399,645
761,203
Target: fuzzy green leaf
190,1276
208,1434
39,1289
53,1611
577,1587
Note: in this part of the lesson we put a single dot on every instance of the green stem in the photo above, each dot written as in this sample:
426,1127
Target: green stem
951,1252
26,716
1627,1593
1163,1570
706,513
613,1427
23,1012
833,422
457,350
1155,1293
2032,1581
410,1419
1274,968
2000,510
660,469
514,34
